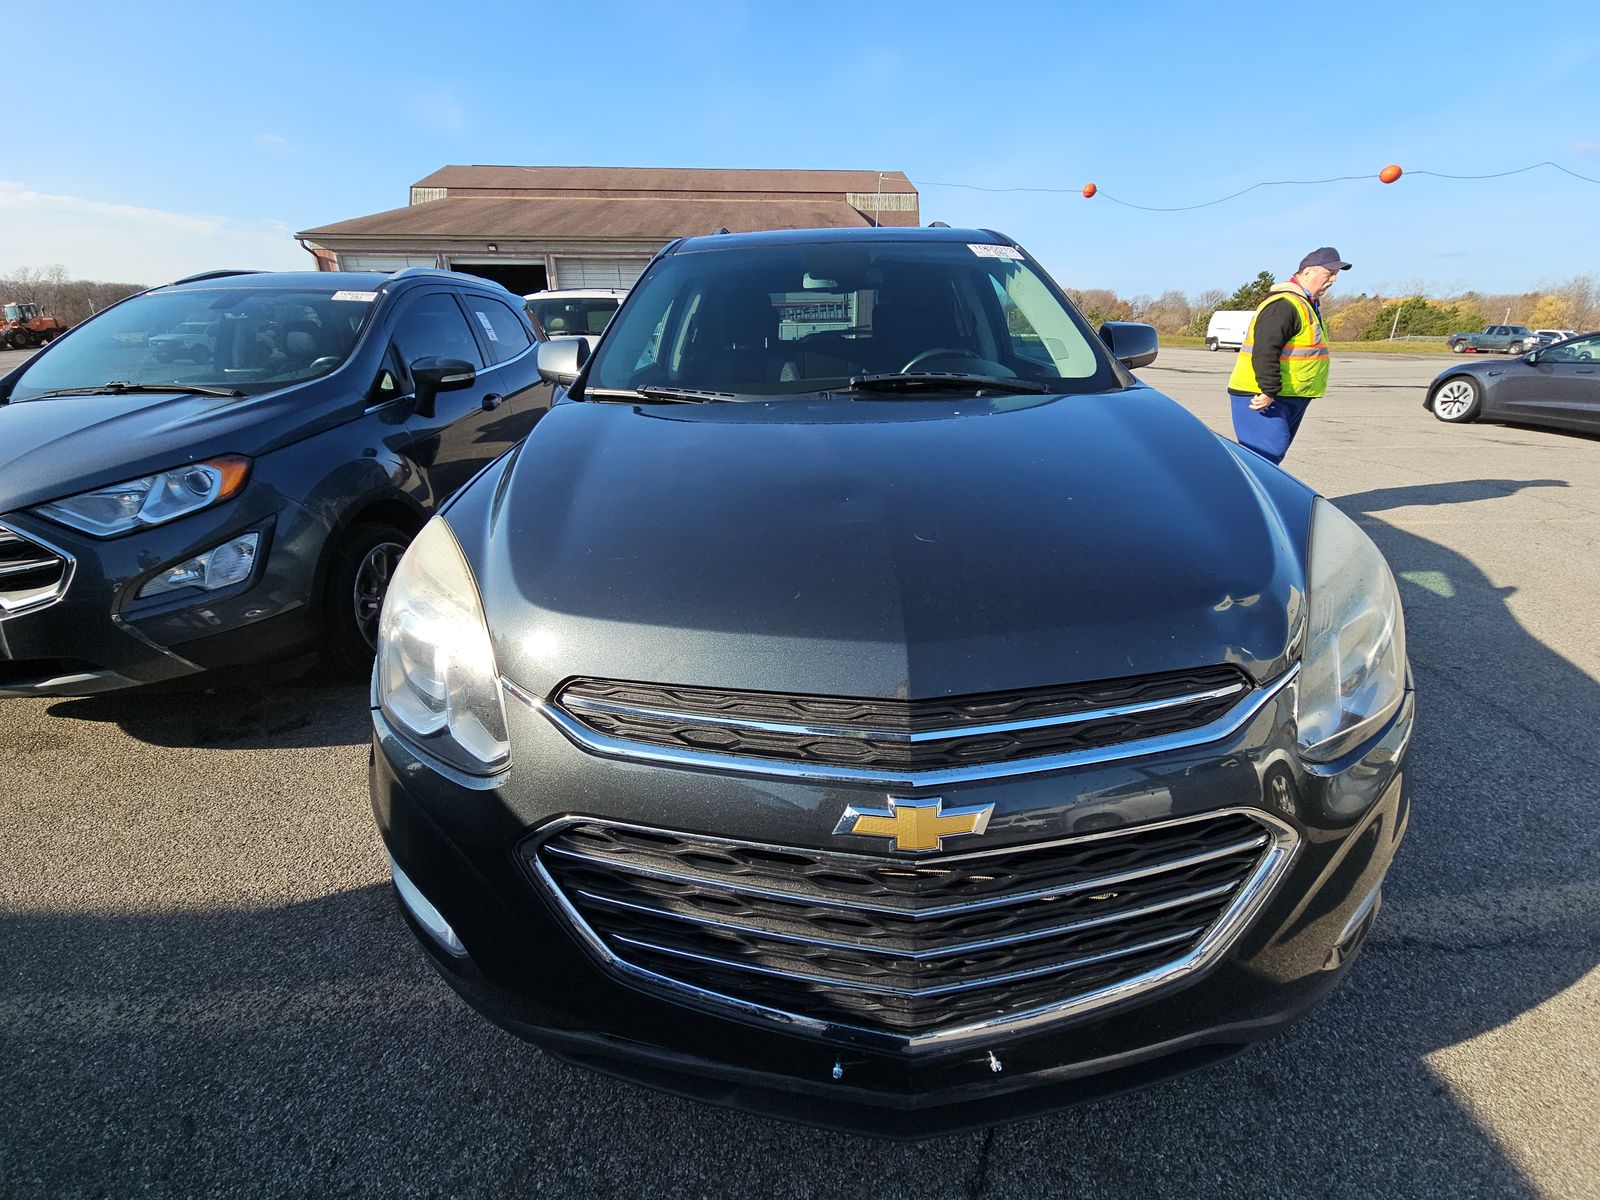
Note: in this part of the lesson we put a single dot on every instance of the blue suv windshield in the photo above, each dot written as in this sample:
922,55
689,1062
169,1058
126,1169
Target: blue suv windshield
236,338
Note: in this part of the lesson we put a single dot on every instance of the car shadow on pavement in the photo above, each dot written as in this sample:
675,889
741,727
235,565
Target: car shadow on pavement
307,1048
305,712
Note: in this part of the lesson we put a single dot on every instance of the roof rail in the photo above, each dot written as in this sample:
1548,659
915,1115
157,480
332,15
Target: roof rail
938,224
426,272
213,275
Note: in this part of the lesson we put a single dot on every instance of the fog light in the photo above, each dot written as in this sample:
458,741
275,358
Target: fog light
426,914
219,567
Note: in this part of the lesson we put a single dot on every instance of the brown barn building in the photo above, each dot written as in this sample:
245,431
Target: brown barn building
536,227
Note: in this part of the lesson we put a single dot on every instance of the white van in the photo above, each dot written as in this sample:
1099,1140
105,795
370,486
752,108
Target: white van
1227,329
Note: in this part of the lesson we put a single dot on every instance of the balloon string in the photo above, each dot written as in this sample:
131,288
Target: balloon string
973,187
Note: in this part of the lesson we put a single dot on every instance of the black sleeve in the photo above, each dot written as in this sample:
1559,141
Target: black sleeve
1279,321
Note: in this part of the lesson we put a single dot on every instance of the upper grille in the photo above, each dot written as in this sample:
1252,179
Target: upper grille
906,735
31,575
911,949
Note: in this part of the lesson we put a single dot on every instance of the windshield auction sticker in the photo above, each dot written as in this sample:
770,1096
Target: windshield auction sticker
985,250
367,297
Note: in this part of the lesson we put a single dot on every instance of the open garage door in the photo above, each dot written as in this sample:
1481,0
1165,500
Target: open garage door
520,278
599,272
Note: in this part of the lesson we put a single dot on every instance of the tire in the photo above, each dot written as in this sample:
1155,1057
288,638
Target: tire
1516,348
1458,400
358,576
1458,347
1213,345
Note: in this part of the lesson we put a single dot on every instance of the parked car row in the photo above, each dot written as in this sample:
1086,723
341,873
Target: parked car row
842,689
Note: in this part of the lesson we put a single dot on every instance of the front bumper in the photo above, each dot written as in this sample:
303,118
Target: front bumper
526,969
100,636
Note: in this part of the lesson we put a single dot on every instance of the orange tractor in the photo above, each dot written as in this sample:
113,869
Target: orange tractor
23,325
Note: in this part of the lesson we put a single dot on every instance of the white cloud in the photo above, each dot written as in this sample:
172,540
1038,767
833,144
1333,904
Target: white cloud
98,239
272,141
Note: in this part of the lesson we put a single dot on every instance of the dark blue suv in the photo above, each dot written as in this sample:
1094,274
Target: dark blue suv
245,500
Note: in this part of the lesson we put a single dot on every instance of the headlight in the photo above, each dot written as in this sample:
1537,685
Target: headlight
436,676
152,500
1353,672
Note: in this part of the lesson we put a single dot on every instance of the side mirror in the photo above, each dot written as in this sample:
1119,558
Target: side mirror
561,360
430,376
1130,343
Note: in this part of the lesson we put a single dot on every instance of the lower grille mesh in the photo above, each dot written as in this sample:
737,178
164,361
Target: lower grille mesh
900,947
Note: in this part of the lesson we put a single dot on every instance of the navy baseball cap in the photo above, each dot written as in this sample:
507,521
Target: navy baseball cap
1324,256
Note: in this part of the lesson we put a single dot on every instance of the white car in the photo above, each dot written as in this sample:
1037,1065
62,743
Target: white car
1549,337
573,312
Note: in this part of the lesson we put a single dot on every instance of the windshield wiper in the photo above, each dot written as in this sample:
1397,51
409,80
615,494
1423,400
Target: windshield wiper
118,387
935,381
672,395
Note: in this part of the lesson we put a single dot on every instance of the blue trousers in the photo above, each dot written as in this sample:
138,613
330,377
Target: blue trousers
1269,431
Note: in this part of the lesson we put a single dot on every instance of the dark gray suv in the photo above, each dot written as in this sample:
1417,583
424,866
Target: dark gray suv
862,700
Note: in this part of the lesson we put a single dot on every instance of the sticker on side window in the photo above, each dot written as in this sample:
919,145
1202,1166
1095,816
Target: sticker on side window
365,297
483,320
984,250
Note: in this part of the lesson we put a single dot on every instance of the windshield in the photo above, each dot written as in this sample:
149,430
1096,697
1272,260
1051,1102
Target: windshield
235,338
559,318
13,312
796,319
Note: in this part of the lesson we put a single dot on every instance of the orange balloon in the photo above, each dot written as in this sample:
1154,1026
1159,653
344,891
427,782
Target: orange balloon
1089,190
1390,173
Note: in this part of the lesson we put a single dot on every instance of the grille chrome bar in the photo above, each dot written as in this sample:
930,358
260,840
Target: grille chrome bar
583,704
977,972
948,989
1097,883
33,573
609,746
722,924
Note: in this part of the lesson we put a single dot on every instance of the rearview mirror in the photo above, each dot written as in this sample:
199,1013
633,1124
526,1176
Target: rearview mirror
431,375
1130,343
561,360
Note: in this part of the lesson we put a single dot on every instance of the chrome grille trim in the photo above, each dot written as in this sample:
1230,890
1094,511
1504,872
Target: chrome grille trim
1019,939
607,746
1280,846
948,989
24,555
584,704
925,914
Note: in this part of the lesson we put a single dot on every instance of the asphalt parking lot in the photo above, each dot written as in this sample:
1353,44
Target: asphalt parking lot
205,990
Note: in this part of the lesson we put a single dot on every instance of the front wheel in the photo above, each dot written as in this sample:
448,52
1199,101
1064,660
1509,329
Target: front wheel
1458,347
1458,400
358,579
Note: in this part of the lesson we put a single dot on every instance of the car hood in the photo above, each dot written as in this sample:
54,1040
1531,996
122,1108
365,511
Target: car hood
884,548
58,446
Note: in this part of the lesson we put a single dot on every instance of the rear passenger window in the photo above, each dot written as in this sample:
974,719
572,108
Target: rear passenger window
505,334
433,326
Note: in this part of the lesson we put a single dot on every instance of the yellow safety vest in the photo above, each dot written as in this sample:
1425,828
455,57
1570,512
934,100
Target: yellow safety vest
1304,360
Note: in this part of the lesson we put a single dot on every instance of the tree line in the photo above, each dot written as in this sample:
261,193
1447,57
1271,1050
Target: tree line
72,300
1571,304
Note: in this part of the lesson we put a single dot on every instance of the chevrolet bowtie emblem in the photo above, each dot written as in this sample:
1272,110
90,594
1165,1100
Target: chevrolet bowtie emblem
917,826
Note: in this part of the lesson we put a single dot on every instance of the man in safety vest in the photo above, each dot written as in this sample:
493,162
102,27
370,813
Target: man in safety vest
1283,365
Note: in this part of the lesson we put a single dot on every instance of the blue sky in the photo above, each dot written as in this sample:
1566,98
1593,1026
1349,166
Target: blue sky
169,138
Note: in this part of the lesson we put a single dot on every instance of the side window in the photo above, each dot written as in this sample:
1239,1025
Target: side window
507,337
432,325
